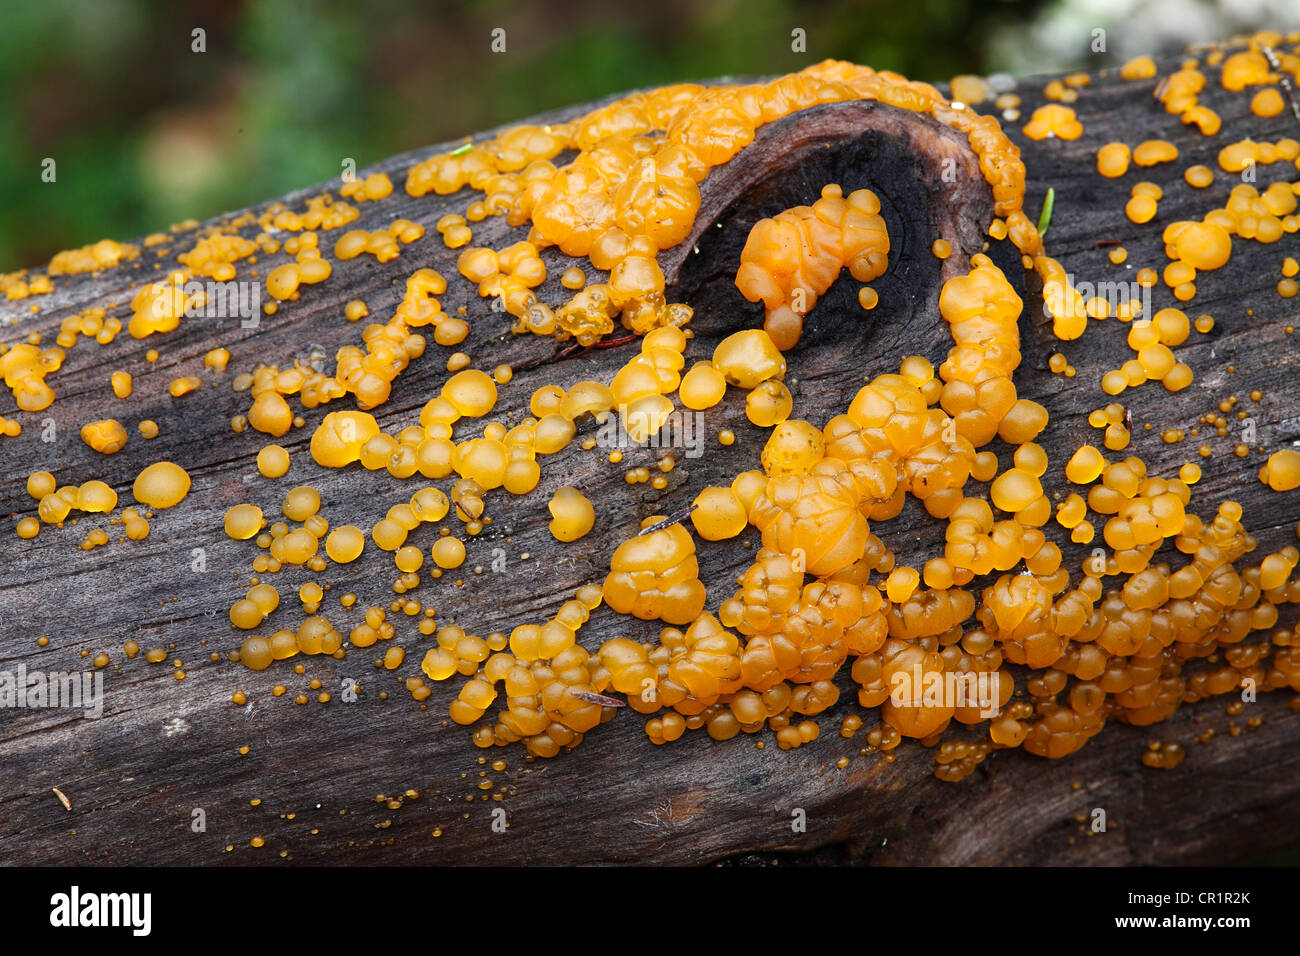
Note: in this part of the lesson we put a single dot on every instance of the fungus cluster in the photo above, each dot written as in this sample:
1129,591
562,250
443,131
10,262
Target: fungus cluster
1162,615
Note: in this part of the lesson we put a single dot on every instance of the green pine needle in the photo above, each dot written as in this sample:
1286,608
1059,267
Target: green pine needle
1045,219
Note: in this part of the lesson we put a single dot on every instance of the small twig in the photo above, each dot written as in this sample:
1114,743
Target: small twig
610,343
671,520
1282,79
576,349
613,343
592,697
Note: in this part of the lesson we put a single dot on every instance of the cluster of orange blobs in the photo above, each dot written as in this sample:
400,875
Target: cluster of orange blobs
100,255
24,368
821,487
767,658
633,191
793,258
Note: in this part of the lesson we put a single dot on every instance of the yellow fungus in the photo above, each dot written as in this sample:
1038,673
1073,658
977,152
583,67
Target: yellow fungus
448,553
572,515
719,514
161,485
338,439
471,392
1139,68
1154,151
1198,176
217,360
1282,473
345,544
40,484
1053,120
273,461
702,387
770,403
105,437
301,503
244,521
1112,160
749,358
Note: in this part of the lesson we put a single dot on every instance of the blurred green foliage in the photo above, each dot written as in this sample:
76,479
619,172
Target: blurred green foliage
146,132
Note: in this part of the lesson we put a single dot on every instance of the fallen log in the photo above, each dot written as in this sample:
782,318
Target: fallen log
386,780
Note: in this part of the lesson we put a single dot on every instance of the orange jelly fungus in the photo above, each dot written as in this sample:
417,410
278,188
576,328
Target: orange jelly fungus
1059,651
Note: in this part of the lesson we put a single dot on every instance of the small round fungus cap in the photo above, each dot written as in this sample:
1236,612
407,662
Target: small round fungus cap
161,485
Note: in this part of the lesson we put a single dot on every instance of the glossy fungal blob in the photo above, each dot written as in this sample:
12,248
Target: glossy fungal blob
572,515
161,485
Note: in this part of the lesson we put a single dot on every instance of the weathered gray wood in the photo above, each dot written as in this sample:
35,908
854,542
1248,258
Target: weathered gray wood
165,748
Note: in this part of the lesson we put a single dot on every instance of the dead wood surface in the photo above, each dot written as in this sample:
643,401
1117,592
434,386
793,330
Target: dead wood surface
166,747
